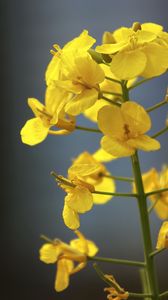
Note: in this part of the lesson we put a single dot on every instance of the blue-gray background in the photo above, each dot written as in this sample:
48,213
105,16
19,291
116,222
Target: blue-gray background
31,202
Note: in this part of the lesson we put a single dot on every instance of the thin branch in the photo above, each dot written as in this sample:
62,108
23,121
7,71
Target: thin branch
112,79
118,261
156,106
163,294
157,192
88,129
160,132
129,179
115,194
156,252
110,101
152,206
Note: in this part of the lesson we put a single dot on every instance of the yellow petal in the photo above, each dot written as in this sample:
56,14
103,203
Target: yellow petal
49,253
80,200
83,169
110,121
64,267
152,27
111,48
116,148
157,60
92,112
36,106
162,241
68,86
89,71
70,217
150,180
128,64
103,156
161,207
92,249
144,142
107,184
143,36
136,117
34,132
81,102
81,43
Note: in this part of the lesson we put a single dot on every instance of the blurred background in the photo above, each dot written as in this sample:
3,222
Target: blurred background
31,202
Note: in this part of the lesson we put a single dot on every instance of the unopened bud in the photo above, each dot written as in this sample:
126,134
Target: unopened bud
136,26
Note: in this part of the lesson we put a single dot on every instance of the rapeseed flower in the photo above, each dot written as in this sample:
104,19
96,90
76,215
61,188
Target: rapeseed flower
81,81
79,199
77,47
46,116
153,180
66,255
138,51
162,241
89,170
124,129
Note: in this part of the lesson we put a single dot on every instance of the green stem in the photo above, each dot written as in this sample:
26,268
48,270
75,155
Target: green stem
142,203
125,91
128,179
157,192
156,106
163,294
139,83
139,295
111,93
112,79
87,129
160,132
152,206
144,281
118,261
110,101
45,238
157,252
115,194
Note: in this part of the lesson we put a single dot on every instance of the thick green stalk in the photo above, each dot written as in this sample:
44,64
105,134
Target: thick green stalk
142,203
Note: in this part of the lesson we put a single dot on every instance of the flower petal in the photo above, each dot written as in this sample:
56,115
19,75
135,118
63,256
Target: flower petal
81,102
162,241
144,142
36,106
136,117
92,112
49,253
102,156
157,60
107,184
64,267
128,64
71,218
110,121
111,48
90,249
83,169
115,147
34,132
80,199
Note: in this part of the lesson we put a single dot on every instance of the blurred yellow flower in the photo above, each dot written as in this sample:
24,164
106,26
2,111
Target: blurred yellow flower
88,169
78,46
79,199
124,129
154,180
115,291
162,241
138,51
46,116
66,255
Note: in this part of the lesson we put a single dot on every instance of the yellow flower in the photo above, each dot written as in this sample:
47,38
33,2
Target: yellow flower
66,255
79,199
108,86
115,291
124,129
102,156
162,241
81,80
46,116
153,180
89,170
138,51
72,49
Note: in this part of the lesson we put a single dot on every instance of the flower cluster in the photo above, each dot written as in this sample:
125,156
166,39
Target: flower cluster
96,83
